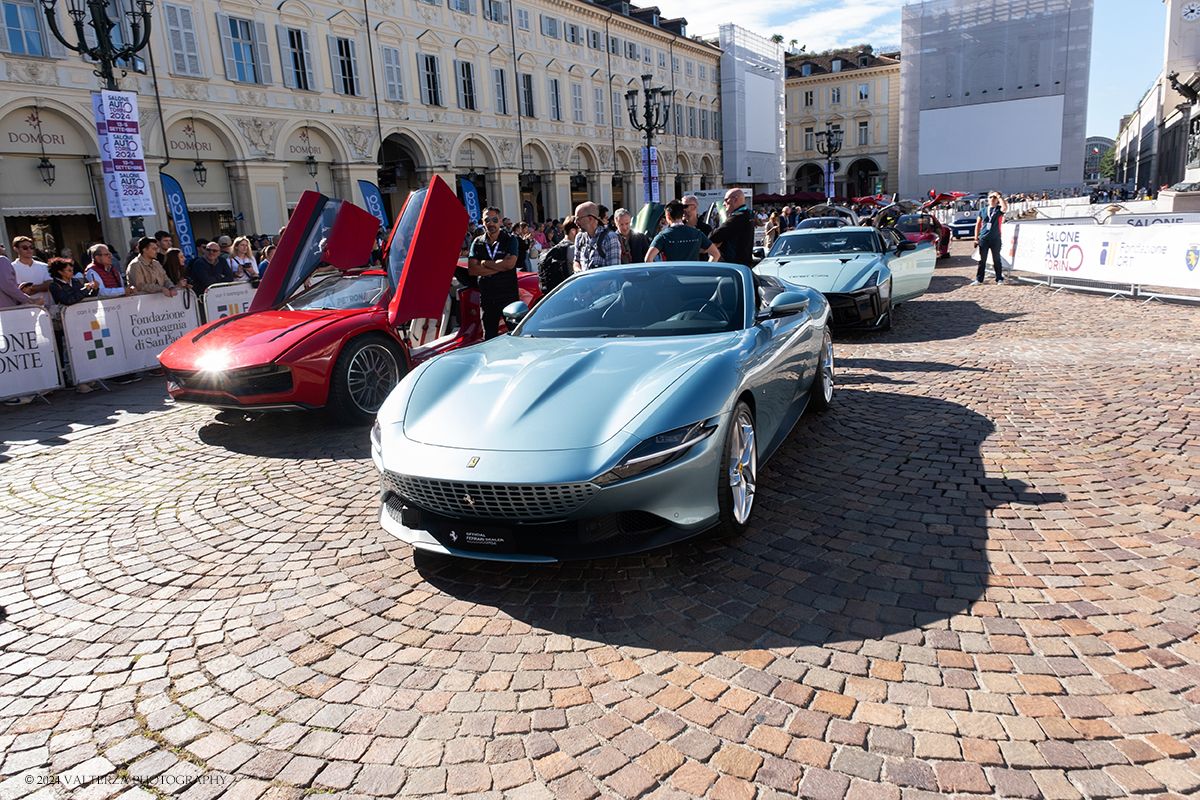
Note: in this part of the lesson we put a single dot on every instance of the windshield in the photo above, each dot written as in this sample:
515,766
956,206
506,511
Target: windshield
312,252
913,223
342,292
821,222
826,242
403,233
650,301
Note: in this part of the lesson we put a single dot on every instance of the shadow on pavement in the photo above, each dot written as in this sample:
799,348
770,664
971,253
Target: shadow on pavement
871,521
916,321
881,369
286,434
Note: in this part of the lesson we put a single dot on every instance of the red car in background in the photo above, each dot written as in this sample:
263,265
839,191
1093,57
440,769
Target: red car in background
920,228
341,341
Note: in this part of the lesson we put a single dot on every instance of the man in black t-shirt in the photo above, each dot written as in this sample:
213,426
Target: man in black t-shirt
736,235
493,260
679,241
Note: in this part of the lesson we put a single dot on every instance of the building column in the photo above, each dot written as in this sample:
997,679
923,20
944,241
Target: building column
556,193
343,185
600,185
115,229
258,195
504,187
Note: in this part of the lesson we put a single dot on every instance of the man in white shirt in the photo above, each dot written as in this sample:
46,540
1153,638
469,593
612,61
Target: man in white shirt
31,271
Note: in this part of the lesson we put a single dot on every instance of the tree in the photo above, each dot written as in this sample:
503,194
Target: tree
1108,164
777,38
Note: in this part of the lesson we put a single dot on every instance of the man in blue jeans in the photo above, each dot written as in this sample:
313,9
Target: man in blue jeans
987,237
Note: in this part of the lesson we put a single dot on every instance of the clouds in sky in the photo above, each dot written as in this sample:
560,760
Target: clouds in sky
818,24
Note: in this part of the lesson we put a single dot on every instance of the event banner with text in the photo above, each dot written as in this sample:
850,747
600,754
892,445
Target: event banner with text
228,299
119,335
28,358
1162,255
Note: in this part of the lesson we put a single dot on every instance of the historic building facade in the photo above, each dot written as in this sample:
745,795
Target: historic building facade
526,99
857,93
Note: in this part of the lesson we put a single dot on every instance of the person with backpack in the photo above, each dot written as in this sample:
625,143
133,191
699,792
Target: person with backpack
555,265
597,245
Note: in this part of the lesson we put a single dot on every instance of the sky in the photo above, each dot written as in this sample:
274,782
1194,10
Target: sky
1127,39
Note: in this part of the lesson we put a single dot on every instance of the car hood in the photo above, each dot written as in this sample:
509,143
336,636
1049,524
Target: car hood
524,394
826,274
246,340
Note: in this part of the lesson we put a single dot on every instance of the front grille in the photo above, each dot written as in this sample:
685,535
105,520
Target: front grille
854,309
492,500
238,383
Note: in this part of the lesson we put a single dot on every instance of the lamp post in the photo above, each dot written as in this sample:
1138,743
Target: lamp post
106,52
829,144
656,111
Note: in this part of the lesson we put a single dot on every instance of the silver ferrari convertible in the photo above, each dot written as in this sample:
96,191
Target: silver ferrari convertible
630,408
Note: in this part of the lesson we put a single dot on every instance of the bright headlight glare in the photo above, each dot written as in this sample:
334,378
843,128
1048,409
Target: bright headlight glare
657,451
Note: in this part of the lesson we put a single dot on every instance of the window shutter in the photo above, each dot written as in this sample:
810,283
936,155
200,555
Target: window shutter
263,50
458,83
393,82
354,66
4,46
179,63
471,8
285,57
335,64
504,13
310,67
226,46
55,49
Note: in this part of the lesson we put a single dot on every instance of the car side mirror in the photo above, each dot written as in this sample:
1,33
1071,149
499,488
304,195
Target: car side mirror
905,246
785,304
514,313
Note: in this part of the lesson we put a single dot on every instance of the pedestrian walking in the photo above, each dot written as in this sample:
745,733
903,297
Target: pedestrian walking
987,237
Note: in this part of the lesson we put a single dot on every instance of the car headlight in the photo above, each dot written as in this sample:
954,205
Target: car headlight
657,451
873,280
376,436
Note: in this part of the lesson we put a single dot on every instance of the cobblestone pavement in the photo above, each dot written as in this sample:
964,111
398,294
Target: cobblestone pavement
976,576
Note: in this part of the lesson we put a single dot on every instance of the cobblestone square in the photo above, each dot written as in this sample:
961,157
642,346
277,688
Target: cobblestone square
976,576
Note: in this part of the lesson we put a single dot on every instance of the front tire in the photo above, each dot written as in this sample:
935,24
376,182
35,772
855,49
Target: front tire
822,389
738,479
367,370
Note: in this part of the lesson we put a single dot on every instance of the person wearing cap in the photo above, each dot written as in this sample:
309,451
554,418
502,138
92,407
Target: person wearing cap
226,245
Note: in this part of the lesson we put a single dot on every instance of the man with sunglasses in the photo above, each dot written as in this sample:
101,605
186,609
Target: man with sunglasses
597,245
736,236
33,275
208,268
493,264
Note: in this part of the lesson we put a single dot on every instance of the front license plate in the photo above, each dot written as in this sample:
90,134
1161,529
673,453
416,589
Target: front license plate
479,538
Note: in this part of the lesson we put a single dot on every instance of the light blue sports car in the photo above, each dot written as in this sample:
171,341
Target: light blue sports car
629,409
863,272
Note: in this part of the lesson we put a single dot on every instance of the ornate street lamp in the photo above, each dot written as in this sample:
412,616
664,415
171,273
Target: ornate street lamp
656,111
311,164
46,170
106,52
201,172
829,144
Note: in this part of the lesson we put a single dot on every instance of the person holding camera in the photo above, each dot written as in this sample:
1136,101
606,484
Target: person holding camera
987,237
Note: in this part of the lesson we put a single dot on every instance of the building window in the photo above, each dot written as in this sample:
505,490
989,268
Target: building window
808,98
244,48
527,107
431,80
618,110
678,119
864,91
835,96
577,103
674,63
598,104
501,84
463,6
595,40
464,78
549,26
555,100
495,11
614,45
295,56
662,60
806,70
704,123
572,34
864,134
703,72
181,36
692,121
689,68
717,125
647,56
393,74
837,65
809,138
343,57
523,19
21,24
631,51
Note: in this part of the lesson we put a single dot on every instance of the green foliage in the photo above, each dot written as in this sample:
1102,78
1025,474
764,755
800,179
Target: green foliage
1108,163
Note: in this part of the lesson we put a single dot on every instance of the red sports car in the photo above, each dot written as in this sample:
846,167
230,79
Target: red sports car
925,228
343,342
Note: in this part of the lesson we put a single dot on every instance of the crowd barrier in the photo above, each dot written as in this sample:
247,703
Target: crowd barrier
119,335
28,354
1142,262
227,299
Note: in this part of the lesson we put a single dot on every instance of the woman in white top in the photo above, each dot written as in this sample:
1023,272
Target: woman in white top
242,260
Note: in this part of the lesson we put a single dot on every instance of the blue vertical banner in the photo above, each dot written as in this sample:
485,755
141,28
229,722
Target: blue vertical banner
470,193
173,193
374,201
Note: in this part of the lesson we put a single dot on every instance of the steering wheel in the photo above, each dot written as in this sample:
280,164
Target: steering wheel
699,307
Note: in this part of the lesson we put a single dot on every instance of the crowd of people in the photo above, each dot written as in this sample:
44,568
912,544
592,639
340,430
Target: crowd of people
155,265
